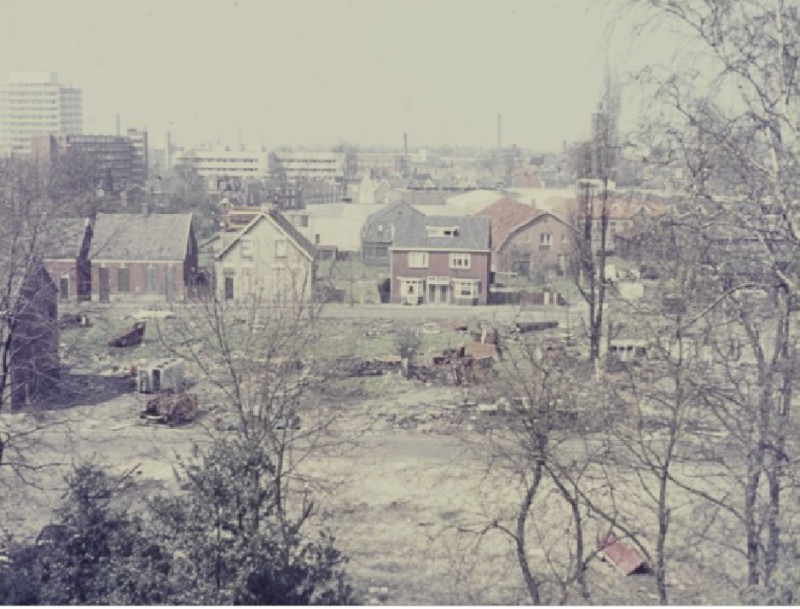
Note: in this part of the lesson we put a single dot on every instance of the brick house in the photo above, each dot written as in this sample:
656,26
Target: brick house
29,330
151,257
526,239
378,232
268,260
65,249
441,260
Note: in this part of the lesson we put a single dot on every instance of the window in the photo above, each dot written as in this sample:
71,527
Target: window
521,262
123,280
376,251
151,279
544,241
466,288
442,231
417,260
246,247
459,261
229,288
280,248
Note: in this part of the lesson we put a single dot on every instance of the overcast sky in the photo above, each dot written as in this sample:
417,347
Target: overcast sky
319,72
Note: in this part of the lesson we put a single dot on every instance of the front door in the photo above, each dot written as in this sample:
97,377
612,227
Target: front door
437,294
63,288
104,285
170,286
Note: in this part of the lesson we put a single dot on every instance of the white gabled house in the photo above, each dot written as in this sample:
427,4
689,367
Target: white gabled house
267,261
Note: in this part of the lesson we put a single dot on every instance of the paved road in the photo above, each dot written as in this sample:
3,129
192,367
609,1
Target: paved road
566,316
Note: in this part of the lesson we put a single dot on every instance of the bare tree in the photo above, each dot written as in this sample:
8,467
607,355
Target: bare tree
268,368
546,443
733,129
595,168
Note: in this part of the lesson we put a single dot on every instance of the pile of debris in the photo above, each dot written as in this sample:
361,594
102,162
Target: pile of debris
171,409
130,337
470,363
355,366
522,327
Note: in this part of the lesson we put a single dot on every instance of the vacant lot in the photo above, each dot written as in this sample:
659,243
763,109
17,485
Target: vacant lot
407,490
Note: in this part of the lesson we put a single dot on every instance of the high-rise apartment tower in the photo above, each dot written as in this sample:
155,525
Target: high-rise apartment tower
35,104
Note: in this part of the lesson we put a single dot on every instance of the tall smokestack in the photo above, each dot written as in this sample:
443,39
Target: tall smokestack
499,131
405,143
118,128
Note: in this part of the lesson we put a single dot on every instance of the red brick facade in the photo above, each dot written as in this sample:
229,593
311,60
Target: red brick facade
439,281
546,242
167,280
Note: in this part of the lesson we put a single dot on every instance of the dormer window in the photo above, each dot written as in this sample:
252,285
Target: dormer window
442,231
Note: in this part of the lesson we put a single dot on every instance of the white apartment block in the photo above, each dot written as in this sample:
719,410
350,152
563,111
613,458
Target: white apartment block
226,162
301,165
35,103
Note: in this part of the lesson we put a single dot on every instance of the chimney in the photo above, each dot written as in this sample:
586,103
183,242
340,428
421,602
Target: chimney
405,143
499,131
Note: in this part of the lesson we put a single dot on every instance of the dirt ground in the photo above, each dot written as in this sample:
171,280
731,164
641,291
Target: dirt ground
406,497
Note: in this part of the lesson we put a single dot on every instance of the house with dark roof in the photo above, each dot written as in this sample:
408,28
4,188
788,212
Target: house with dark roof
143,257
526,239
28,327
269,260
377,233
440,260
65,250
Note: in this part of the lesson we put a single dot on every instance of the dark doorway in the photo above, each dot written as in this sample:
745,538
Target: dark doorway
105,293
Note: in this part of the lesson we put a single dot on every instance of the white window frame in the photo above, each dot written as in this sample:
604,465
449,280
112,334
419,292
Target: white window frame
466,288
460,261
417,260
246,247
545,242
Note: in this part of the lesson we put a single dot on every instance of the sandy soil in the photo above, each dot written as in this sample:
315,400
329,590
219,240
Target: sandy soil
407,498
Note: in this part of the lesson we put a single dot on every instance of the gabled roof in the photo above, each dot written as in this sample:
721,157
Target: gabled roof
507,216
411,232
282,224
388,215
63,238
141,237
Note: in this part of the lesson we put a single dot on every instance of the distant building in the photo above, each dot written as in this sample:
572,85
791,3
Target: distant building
299,165
377,233
65,248
440,260
379,164
140,167
31,315
119,161
36,104
218,165
303,177
268,260
526,239
143,257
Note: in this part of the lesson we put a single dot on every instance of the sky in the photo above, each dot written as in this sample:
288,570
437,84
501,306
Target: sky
324,72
